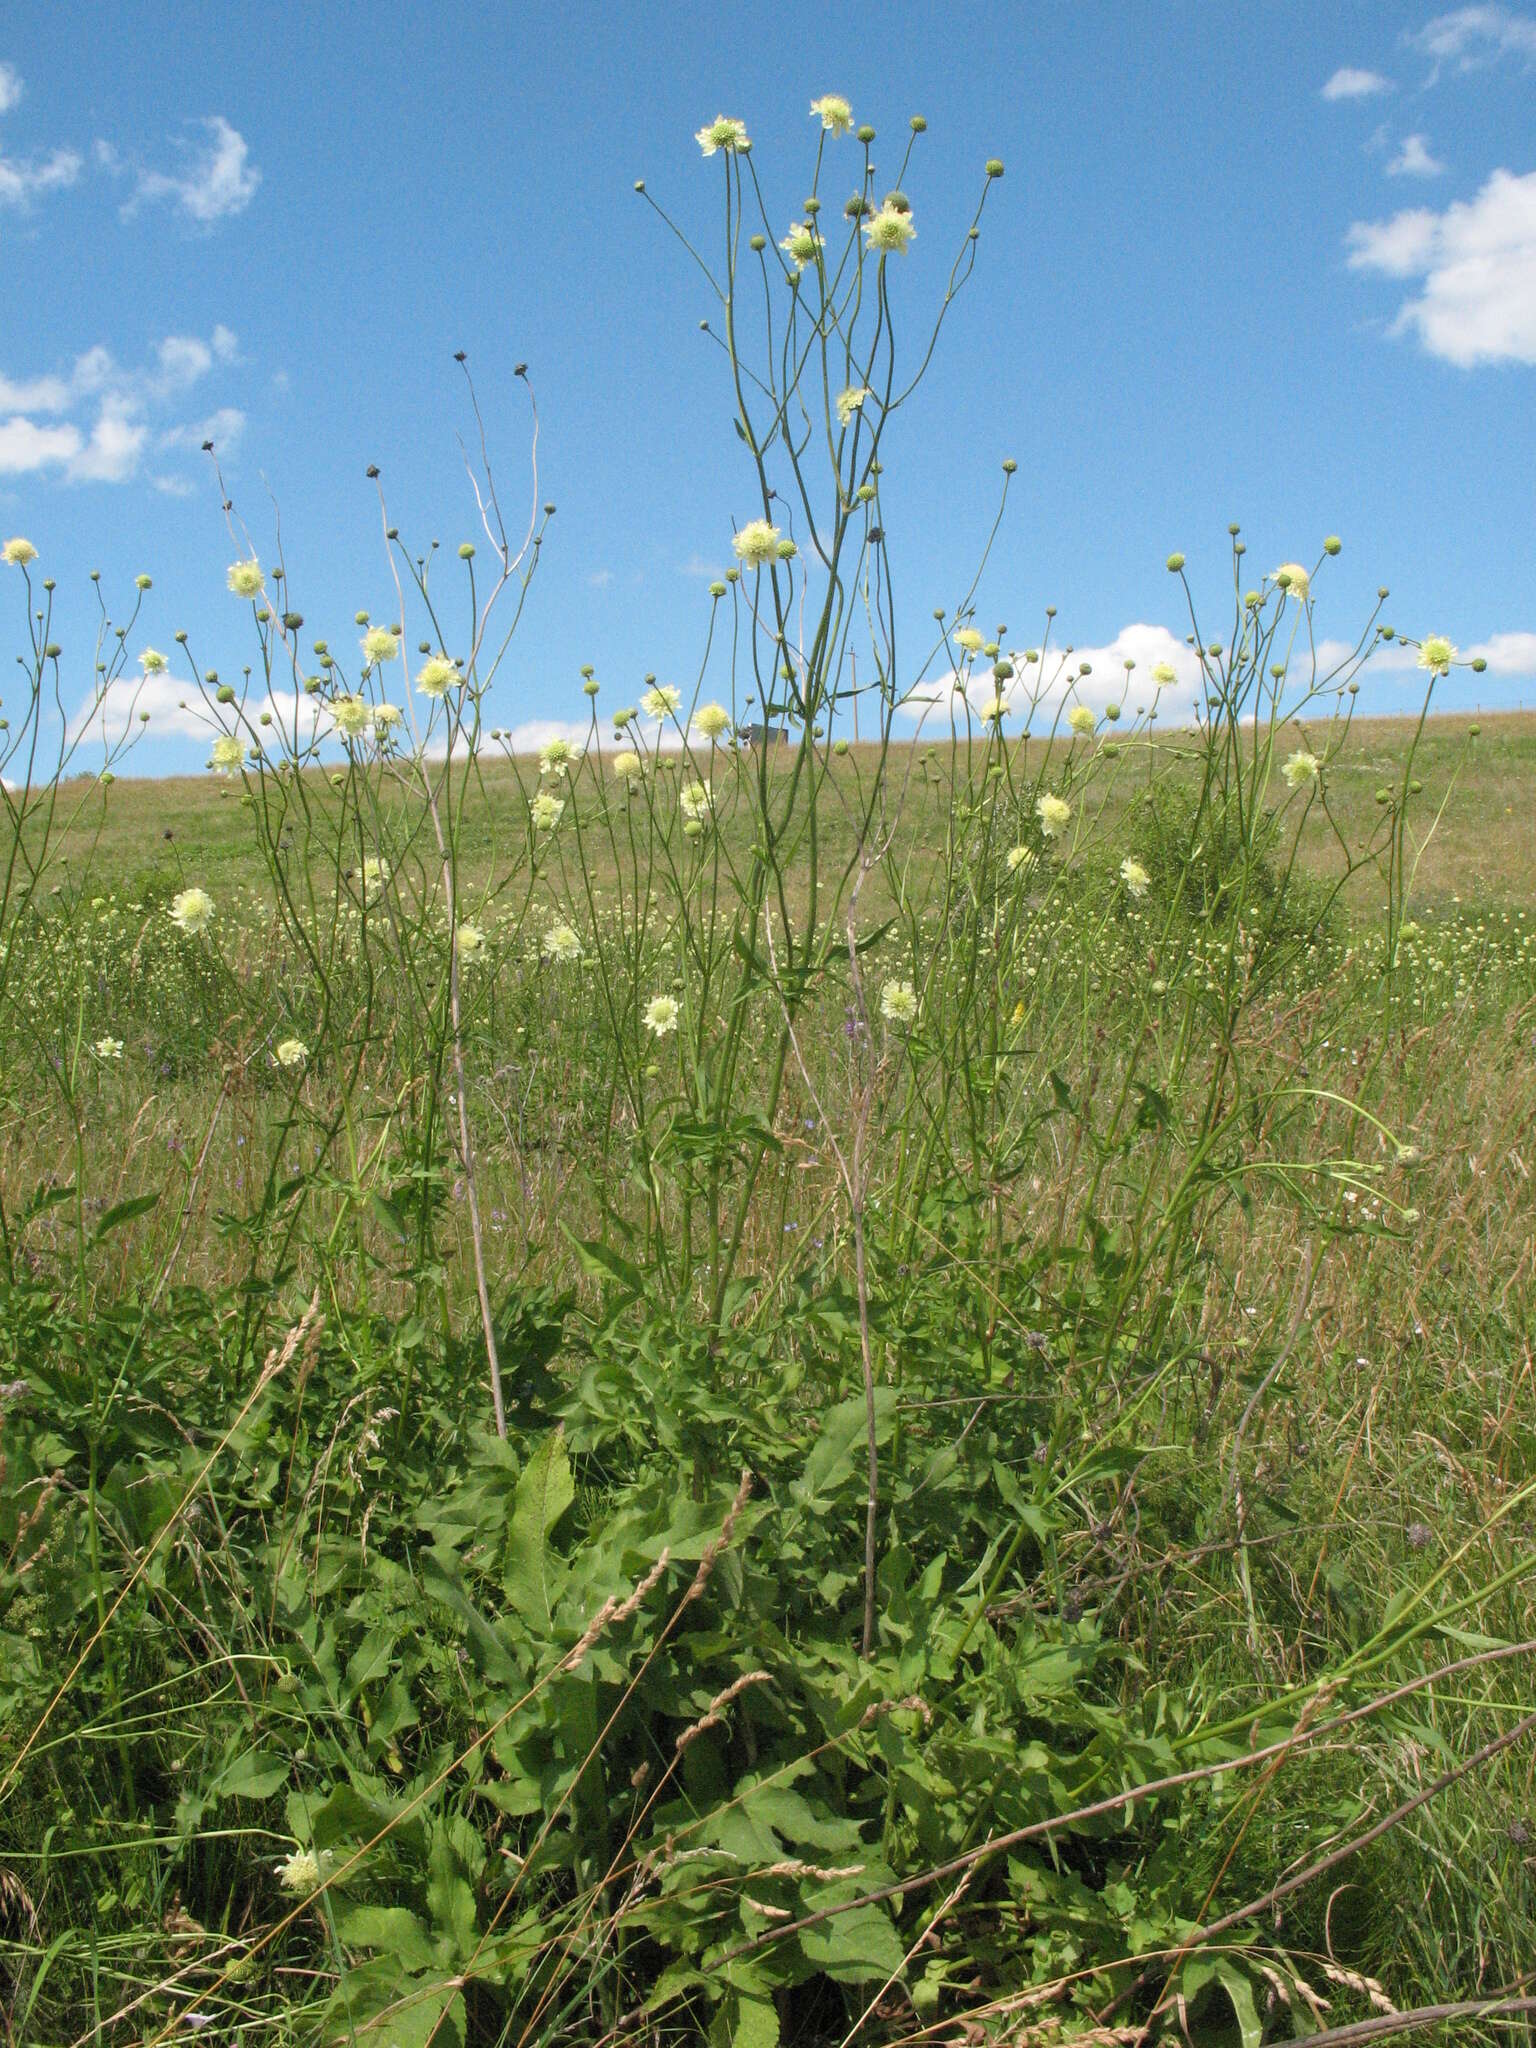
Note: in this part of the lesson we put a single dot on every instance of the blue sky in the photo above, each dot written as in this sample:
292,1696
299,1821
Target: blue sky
1273,263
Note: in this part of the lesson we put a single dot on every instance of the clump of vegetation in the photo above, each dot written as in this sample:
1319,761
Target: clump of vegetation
758,1391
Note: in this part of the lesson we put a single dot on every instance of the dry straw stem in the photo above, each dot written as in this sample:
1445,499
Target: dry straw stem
305,1332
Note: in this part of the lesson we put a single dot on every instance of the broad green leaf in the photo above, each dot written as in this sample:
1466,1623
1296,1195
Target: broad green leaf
544,1492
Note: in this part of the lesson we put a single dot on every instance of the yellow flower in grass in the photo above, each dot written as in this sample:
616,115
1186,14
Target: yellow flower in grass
711,720
108,1048
660,700
1019,857
557,757
305,1871
661,1015
545,811
1081,720
228,753
561,944
696,800
192,910
626,764
290,1052
1135,877
898,1002
373,877
1300,768
380,644
471,941
1054,813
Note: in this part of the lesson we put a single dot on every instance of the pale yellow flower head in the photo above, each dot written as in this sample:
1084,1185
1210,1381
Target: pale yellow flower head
18,551
1298,583
834,113
545,811
437,675
1300,768
849,401
379,644
626,764
1436,654
1054,813
1135,877
1081,720
756,543
561,944
305,1871
723,133
353,716
661,1015
1019,857
108,1048
245,578
889,231
711,720
228,753
660,700
192,910
290,1052
470,941
557,757
386,716
898,1002
801,243
968,638
153,662
696,800
1164,673
373,877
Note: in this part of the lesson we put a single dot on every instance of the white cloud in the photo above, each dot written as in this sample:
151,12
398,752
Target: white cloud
534,733
600,579
115,713
1413,160
1350,84
94,424
25,446
1507,654
21,182
1478,263
1471,38
217,181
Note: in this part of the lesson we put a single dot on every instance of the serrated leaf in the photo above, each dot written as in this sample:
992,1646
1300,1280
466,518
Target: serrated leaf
544,1492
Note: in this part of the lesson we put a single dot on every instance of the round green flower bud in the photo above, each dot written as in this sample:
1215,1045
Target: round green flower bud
466,551
1478,665
1085,668
359,618
866,134
181,638
757,244
1415,787
897,202
293,621
225,694
1112,713
52,651
1175,564
994,167
839,747
918,125
1332,544
717,589
786,551
1002,670
1473,731
1111,749
107,777
693,828
263,617
1009,465
311,686
590,687
1383,796
337,781
856,207
811,207
639,184
1253,599
1387,632
143,583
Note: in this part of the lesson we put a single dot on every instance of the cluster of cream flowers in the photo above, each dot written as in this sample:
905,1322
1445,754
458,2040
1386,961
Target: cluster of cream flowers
18,552
192,910
1054,813
898,1003
661,1015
